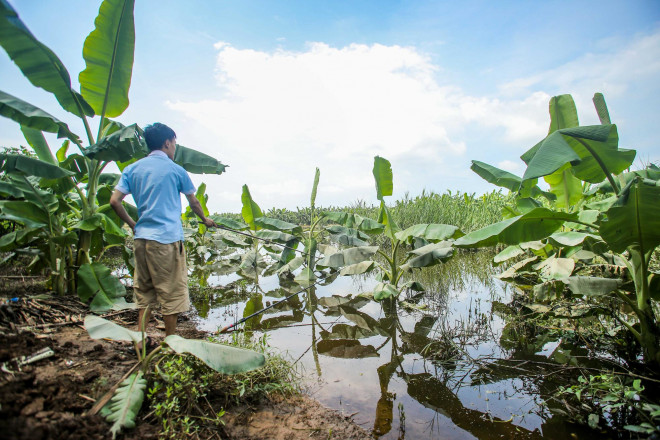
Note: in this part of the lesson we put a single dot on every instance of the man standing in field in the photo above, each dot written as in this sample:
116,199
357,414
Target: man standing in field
161,275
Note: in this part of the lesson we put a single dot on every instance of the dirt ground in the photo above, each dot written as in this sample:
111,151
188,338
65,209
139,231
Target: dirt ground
49,399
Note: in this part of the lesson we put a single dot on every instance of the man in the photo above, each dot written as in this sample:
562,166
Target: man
161,275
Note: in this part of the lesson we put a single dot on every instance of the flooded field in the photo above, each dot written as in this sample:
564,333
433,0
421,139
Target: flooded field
437,366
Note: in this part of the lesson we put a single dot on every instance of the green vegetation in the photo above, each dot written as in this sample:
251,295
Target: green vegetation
595,213
581,248
62,200
183,385
128,395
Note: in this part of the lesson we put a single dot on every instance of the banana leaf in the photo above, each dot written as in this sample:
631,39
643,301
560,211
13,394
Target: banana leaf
38,63
25,212
250,210
108,53
126,403
536,224
38,143
222,358
28,166
384,179
99,328
634,219
33,117
197,162
123,145
347,257
277,225
429,232
96,282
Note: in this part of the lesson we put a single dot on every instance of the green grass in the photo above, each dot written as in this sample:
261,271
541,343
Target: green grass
467,211
188,399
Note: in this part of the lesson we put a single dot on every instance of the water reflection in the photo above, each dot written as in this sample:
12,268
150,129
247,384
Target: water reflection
441,359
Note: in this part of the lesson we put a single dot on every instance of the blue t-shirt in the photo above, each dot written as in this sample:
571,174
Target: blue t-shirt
156,183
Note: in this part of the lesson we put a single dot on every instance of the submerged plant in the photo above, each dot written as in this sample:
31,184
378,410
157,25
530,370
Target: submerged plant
431,243
595,212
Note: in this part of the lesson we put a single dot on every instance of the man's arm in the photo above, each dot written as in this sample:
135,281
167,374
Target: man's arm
115,202
197,209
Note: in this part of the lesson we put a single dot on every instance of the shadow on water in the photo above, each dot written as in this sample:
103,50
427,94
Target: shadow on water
433,366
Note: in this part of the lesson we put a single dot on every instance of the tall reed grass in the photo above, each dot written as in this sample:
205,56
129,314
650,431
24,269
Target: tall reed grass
467,211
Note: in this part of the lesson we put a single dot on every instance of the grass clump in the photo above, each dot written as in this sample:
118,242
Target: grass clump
189,400
467,211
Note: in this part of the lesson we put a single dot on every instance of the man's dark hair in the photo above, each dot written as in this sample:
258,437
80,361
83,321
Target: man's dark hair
156,134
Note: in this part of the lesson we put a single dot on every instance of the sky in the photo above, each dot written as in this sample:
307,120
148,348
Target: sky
275,89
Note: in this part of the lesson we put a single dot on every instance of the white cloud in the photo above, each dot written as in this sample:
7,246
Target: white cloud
510,166
278,115
275,116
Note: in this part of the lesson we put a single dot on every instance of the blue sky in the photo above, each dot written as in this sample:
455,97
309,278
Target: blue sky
275,89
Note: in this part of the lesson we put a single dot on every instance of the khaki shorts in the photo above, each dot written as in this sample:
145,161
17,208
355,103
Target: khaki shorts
161,276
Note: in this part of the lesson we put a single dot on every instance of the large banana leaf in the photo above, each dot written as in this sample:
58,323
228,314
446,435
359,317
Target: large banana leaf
533,225
508,180
96,282
429,255
108,54
250,209
222,358
347,257
33,117
99,328
431,232
123,145
37,62
496,176
592,286
347,236
566,187
126,403
591,150
356,221
229,223
383,176
38,143
196,162
99,221
276,236
634,219
25,212
563,113
277,225
28,166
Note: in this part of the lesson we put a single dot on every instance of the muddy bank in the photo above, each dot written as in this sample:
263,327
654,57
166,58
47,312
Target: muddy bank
49,399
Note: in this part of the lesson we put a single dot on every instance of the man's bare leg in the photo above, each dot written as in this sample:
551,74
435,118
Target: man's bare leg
170,323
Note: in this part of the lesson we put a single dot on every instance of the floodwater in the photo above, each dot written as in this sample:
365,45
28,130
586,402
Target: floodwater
427,370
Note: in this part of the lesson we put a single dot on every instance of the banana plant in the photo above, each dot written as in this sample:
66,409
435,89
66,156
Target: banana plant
127,398
600,211
81,188
430,244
